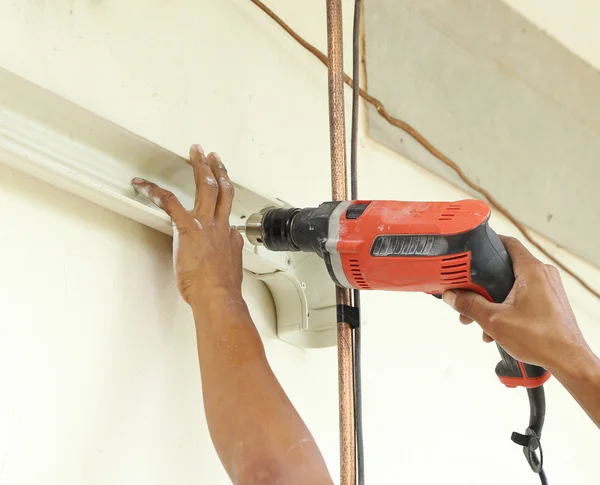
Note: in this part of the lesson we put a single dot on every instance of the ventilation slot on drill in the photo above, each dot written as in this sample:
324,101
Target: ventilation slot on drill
454,270
449,212
358,276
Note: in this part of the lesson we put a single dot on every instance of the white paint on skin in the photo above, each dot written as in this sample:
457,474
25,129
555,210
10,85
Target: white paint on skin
176,243
211,181
175,248
521,283
300,443
142,189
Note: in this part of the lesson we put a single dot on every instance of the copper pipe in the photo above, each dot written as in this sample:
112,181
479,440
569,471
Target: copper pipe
337,126
339,190
346,394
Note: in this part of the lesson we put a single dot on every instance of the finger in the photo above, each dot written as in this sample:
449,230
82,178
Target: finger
163,199
470,305
465,320
487,339
207,189
519,254
226,190
237,243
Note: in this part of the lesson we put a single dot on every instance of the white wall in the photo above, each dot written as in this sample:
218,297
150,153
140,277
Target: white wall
100,379
98,362
573,23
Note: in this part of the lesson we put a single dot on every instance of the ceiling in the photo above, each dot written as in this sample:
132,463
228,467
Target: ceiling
516,109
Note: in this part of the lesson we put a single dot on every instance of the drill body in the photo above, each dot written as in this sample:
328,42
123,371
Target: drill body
426,247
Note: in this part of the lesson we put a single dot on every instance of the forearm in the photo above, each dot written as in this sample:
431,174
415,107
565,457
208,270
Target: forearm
580,375
256,430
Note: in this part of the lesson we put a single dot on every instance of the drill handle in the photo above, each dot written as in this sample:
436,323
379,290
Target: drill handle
492,269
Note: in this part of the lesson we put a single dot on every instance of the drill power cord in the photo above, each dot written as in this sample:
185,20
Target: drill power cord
410,130
530,441
358,421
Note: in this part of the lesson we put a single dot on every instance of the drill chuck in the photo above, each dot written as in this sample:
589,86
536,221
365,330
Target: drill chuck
253,228
291,229
278,228
271,228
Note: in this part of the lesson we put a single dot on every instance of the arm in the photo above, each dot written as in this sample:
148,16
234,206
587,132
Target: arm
581,377
536,325
258,435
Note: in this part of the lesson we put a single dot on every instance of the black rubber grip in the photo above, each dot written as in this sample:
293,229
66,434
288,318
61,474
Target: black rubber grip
491,268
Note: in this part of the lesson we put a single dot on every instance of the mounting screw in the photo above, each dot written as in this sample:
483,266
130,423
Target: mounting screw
288,261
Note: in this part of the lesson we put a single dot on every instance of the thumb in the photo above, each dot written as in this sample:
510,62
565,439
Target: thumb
470,304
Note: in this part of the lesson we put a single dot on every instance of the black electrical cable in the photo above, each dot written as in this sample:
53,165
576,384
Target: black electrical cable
355,101
537,416
358,424
531,440
537,409
360,457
